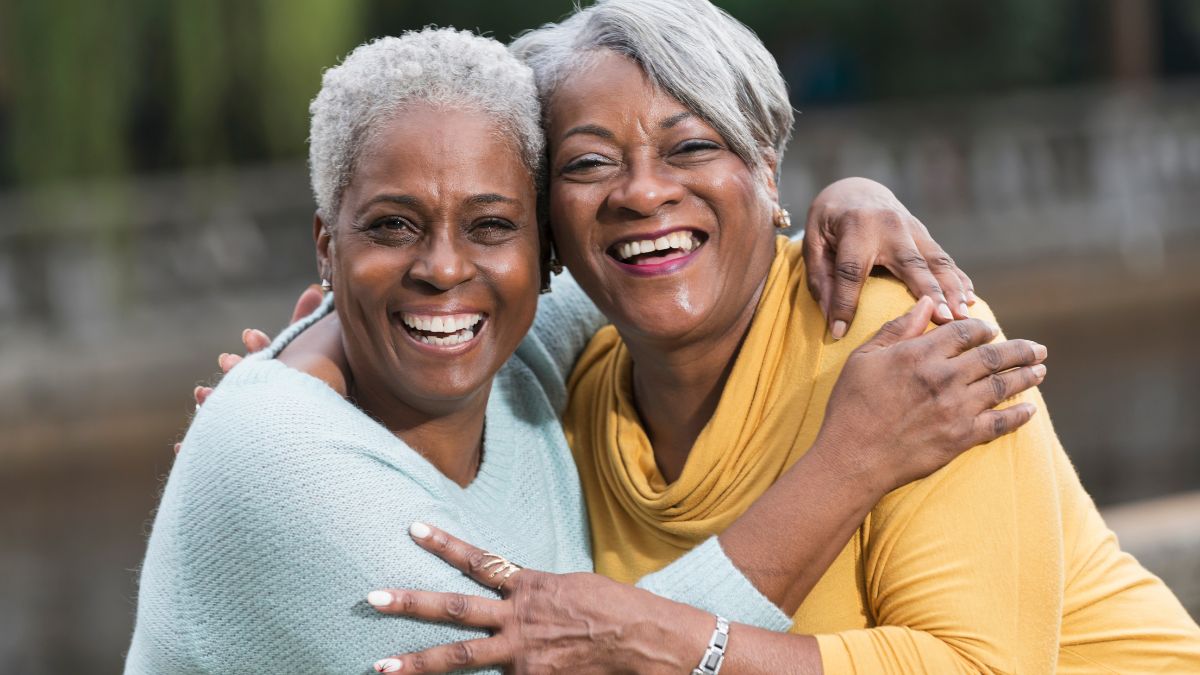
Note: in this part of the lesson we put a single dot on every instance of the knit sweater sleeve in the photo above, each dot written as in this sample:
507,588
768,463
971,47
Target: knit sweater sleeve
277,520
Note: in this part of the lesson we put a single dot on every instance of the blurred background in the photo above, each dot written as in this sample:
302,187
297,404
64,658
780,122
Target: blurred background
154,201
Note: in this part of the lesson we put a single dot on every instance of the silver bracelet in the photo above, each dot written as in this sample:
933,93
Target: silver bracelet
715,654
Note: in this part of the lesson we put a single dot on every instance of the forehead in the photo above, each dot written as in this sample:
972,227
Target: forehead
445,152
610,88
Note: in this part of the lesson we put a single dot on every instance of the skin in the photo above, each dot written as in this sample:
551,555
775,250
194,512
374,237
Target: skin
439,218
647,167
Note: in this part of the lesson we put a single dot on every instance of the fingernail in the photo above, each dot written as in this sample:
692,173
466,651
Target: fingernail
839,329
196,391
379,598
419,530
245,333
221,359
971,297
943,311
1039,371
992,327
1039,351
388,666
963,310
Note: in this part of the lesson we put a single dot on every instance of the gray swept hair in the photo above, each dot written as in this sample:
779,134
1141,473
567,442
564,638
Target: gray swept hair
441,66
696,52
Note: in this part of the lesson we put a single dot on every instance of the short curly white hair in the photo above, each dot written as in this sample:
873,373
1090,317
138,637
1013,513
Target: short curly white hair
442,66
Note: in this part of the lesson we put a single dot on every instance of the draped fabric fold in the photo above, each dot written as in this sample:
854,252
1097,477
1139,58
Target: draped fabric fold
638,521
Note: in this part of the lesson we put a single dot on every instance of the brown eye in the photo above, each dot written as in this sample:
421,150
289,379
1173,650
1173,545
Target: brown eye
584,163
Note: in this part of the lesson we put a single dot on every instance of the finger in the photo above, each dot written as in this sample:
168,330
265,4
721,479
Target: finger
959,336
851,268
908,325
228,361
255,340
465,610
939,266
478,653
307,303
998,357
178,447
472,561
994,389
992,424
201,395
819,272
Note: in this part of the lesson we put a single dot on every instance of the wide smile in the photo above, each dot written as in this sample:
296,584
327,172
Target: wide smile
446,334
658,253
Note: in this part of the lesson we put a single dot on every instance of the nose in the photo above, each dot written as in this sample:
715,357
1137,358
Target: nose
646,187
443,265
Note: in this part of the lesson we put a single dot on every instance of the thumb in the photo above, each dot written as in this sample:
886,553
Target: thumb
307,303
911,324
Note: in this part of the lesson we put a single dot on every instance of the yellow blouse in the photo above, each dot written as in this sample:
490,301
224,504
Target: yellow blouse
997,562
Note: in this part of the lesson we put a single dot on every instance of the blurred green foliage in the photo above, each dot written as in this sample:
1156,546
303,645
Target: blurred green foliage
93,88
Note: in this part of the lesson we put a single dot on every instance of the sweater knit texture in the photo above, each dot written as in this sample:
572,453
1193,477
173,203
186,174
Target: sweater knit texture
288,504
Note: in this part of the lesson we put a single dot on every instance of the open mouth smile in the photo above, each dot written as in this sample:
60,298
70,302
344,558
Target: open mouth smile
657,255
444,331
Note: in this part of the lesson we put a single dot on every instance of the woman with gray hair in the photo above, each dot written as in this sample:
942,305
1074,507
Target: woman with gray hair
290,498
716,376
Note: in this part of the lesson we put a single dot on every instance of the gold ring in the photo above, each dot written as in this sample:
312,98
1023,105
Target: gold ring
499,565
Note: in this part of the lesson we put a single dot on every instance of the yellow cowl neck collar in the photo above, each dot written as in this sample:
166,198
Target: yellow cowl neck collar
639,523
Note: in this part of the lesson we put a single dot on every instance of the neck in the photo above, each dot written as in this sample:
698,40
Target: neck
447,433
677,385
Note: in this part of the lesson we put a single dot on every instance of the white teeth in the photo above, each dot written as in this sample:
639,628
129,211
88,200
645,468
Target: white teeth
684,241
440,324
449,340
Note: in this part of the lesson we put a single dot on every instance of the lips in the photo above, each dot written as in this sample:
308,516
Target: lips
442,330
657,253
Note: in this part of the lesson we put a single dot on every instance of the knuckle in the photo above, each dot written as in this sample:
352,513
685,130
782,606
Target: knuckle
850,271
962,334
890,220
990,356
912,259
456,606
459,654
476,561
419,662
406,601
999,387
999,425
942,262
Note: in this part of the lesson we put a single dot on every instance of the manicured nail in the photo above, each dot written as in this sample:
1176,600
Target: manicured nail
992,327
971,297
839,329
419,530
221,359
388,666
943,311
379,598
1039,351
963,310
1039,371
244,334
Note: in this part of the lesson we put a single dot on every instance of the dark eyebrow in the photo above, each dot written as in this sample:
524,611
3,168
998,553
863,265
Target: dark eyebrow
675,119
593,129
405,200
489,198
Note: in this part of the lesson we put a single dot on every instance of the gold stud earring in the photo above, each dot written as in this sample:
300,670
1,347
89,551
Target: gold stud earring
783,219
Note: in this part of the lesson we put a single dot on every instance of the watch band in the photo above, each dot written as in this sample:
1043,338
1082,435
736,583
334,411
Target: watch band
710,664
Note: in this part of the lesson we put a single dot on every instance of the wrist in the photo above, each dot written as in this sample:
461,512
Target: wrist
846,468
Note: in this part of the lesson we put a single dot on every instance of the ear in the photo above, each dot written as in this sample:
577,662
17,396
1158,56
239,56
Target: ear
770,169
323,238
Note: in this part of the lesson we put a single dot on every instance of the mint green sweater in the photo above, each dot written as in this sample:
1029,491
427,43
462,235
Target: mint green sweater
288,504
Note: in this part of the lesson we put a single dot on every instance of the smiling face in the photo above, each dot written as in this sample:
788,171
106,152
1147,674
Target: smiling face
434,257
666,228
